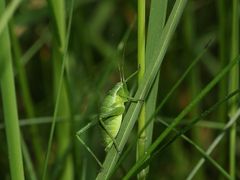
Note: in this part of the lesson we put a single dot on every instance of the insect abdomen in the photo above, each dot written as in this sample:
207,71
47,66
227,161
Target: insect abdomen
113,125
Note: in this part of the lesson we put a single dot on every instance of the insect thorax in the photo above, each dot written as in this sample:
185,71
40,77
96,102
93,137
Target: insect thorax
120,89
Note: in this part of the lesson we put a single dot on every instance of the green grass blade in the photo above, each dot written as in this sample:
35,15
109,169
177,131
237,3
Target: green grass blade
134,109
176,85
189,33
10,104
181,132
60,84
141,62
6,16
27,101
216,141
234,84
223,55
27,56
223,49
201,151
193,122
156,23
194,102
176,121
58,13
203,123
30,171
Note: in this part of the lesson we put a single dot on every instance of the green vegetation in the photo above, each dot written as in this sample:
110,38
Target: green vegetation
58,59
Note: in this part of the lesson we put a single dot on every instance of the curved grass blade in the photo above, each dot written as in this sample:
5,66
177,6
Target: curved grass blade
201,151
181,132
204,123
6,16
177,120
58,94
202,115
30,171
134,109
176,85
215,143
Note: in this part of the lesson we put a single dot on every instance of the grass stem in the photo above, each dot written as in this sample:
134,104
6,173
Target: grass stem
141,62
234,84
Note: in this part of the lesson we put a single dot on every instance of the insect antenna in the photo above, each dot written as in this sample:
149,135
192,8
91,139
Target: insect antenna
120,73
122,63
122,69
133,74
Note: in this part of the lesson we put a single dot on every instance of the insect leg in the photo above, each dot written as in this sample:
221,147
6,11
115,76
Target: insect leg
132,99
133,74
85,128
109,134
114,112
84,144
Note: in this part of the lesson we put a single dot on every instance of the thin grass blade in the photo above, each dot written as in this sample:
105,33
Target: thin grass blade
177,120
6,16
216,141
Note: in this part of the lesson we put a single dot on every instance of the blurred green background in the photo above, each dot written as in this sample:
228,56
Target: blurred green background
92,60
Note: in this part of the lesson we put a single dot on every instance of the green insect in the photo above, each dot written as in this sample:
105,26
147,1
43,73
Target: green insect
111,115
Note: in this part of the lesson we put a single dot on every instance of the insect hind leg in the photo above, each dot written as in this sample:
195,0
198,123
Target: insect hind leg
109,134
85,145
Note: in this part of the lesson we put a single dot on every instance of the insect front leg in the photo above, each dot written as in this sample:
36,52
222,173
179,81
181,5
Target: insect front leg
132,99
